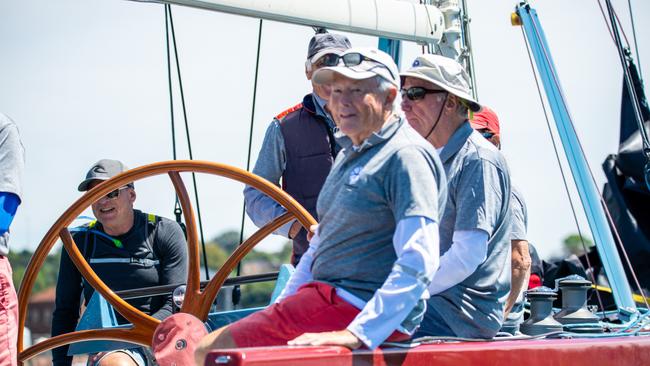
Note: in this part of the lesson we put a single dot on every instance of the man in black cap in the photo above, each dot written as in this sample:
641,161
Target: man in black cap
127,248
299,147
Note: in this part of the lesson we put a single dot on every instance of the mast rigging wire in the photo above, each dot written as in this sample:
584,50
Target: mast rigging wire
591,174
467,40
236,290
559,163
177,205
602,11
636,45
168,15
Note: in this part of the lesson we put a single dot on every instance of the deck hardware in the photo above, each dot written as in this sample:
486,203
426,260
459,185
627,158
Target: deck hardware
574,306
541,312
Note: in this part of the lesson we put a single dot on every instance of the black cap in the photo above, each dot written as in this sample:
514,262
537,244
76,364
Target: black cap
103,170
322,43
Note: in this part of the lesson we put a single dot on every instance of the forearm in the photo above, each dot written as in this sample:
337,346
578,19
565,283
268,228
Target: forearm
270,165
262,209
521,263
417,261
467,252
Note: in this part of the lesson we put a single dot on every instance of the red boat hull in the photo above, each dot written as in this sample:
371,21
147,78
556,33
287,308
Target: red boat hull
573,352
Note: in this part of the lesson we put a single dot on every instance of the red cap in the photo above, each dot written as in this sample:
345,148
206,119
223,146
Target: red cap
486,118
534,281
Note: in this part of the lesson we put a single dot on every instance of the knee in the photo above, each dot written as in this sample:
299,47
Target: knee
218,339
117,359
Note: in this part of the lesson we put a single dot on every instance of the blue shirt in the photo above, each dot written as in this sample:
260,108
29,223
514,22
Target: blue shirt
479,198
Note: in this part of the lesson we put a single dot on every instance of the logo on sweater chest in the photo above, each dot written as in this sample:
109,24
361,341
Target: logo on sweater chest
354,175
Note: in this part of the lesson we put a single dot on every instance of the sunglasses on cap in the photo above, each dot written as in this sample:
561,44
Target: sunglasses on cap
418,93
114,194
349,60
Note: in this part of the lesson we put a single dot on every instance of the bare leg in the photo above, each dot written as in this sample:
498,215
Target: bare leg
220,338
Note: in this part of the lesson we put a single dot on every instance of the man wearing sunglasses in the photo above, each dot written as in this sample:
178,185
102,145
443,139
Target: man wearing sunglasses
469,290
486,122
363,279
298,148
128,249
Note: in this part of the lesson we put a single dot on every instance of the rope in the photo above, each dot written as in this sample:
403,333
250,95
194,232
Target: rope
189,142
559,163
602,11
177,205
236,294
636,45
591,174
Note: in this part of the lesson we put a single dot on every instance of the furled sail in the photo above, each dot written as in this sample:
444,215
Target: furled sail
394,19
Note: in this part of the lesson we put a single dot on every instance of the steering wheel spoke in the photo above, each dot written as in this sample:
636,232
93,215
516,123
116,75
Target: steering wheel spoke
194,271
201,308
136,335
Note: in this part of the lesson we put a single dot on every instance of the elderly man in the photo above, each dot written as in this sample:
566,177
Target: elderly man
469,290
364,278
486,123
12,164
127,248
299,148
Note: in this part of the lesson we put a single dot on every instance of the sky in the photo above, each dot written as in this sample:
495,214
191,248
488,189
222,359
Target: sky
87,79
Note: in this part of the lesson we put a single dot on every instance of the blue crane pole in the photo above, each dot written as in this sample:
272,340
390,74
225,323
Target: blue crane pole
589,195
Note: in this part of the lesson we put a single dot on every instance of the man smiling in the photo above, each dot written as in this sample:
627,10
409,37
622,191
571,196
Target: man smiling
127,248
363,279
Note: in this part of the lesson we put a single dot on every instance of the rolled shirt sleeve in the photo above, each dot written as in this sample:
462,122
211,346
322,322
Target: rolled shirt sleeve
270,165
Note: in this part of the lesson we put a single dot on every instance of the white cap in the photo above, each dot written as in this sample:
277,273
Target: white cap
373,62
445,73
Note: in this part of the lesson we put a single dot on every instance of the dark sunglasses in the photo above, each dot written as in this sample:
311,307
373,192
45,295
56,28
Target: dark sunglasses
349,59
418,93
486,133
114,194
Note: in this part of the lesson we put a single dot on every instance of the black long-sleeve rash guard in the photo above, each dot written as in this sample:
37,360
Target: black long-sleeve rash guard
161,240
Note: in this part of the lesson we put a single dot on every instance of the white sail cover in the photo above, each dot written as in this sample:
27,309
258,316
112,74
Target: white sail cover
381,18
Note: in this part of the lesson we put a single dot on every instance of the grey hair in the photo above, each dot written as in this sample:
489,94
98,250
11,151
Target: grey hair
462,110
383,86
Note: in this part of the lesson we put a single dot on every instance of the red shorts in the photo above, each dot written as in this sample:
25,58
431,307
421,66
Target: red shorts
314,308
8,315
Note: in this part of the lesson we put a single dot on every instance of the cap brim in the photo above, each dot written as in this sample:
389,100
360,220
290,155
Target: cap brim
324,52
473,105
83,186
326,75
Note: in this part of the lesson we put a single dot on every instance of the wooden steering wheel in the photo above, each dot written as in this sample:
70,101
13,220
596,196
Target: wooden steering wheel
196,302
